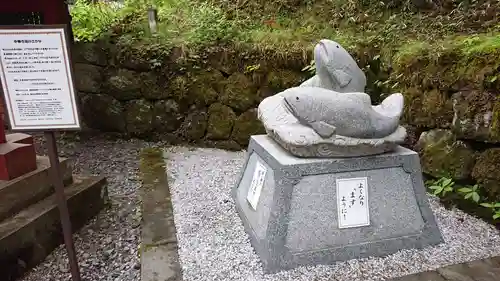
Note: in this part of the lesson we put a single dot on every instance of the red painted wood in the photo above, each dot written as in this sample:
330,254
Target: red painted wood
54,11
16,159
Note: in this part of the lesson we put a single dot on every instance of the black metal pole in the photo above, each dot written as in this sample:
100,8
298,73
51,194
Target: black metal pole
57,179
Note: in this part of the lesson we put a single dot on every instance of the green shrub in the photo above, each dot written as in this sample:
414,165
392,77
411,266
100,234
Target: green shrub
91,20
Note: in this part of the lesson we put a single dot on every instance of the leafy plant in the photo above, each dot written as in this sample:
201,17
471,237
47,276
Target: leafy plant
91,20
442,186
252,68
495,208
471,192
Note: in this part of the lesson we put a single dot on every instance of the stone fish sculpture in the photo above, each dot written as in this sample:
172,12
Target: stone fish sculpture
335,69
351,115
369,129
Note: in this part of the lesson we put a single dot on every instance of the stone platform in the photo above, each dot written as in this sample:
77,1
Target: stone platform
309,211
30,226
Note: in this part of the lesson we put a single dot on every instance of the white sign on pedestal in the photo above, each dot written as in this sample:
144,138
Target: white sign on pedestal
37,80
352,202
256,185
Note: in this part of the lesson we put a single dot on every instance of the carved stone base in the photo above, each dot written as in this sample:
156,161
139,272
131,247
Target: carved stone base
298,218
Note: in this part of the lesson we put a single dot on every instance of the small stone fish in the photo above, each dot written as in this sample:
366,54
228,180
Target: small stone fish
336,70
352,115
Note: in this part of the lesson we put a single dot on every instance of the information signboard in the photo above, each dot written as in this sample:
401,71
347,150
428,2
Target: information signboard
37,78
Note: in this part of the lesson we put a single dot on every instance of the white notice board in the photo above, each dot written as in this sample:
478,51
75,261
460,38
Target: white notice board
37,79
352,202
256,185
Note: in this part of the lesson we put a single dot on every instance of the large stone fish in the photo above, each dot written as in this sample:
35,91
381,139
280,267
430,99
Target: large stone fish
336,70
351,115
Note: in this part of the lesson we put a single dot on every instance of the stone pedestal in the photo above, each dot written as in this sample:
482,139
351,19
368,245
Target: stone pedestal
309,211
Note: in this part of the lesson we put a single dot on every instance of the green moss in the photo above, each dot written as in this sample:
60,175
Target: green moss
179,88
139,117
246,125
443,155
195,125
486,171
495,121
427,109
220,121
239,92
205,87
279,80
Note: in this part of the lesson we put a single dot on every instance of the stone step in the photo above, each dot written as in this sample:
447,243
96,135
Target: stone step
29,236
30,188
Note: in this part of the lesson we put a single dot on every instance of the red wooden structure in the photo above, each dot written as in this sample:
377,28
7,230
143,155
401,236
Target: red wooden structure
18,12
17,151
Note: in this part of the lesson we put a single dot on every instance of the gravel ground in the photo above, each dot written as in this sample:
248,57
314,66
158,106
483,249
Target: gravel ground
214,246
107,246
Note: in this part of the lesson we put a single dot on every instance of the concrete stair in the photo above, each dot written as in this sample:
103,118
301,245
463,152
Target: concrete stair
30,226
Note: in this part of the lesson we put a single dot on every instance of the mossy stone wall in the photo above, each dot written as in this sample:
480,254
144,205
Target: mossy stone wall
451,110
453,104
210,100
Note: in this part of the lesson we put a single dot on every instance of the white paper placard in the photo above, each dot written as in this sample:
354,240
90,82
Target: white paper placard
352,202
259,175
37,79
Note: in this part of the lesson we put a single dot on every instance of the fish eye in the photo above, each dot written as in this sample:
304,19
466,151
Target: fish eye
337,46
297,98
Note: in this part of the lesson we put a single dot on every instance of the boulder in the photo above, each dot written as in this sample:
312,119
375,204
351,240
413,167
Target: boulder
443,155
139,117
476,116
88,78
205,87
246,125
194,126
151,87
102,112
91,53
486,172
239,92
124,84
166,116
220,121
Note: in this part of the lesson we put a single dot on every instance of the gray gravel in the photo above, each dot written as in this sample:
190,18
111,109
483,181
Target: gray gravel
107,247
214,246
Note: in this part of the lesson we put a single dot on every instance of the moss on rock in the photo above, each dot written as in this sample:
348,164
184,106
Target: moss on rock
179,88
220,121
239,92
486,172
139,117
166,116
194,126
124,84
282,79
151,86
474,116
246,125
103,112
88,78
205,87
93,53
443,155
427,109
